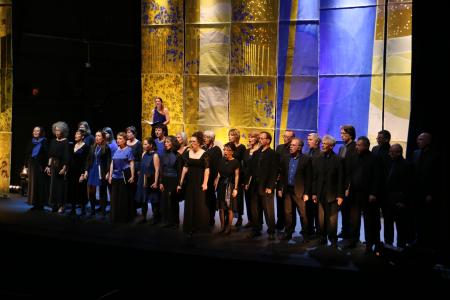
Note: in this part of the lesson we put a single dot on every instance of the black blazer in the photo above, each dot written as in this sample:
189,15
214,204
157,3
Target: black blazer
105,159
328,182
42,156
303,175
399,182
363,173
264,169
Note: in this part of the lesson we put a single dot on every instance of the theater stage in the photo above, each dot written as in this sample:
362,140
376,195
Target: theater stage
110,256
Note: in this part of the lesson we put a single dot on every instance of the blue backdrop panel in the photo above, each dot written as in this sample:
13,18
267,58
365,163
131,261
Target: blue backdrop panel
344,100
346,41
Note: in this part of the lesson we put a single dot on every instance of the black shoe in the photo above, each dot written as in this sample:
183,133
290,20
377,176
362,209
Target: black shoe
340,235
154,222
286,237
253,234
228,230
238,222
271,236
248,225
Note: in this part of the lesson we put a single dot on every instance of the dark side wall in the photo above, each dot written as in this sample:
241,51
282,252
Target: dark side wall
51,40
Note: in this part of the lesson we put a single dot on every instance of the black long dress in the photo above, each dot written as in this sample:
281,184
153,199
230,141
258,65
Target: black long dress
196,213
77,191
59,152
37,179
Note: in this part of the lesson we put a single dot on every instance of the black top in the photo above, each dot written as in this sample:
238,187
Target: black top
42,156
227,169
214,154
60,151
239,153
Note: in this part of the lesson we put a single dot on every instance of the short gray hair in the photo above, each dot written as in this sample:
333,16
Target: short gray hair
315,136
210,134
184,137
62,126
330,139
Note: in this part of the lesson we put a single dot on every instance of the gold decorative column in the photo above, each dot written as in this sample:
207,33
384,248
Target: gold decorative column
5,94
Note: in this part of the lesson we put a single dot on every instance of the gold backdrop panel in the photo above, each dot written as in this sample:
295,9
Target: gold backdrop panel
5,99
170,88
255,10
254,49
191,99
213,101
214,50
161,12
162,49
192,44
252,101
208,11
5,158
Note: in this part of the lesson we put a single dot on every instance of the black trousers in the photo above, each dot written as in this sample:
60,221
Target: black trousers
328,215
359,203
170,206
346,218
281,220
266,203
292,204
400,217
312,214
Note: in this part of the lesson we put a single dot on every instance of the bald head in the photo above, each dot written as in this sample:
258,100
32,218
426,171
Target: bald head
424,140
395,151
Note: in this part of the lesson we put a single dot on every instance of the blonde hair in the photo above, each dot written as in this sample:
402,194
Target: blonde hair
235,132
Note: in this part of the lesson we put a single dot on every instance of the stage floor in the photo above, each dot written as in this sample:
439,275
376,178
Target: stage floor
234,250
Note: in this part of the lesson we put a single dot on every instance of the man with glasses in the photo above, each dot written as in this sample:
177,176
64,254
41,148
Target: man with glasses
283,151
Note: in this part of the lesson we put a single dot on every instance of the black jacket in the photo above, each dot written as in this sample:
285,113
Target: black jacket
303,175
328,183
264,169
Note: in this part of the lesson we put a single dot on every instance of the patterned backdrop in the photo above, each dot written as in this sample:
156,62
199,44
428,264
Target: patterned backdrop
5,94
309,66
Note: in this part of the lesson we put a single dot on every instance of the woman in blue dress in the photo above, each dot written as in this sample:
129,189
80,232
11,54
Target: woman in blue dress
148,181
160,115
121,176
97,171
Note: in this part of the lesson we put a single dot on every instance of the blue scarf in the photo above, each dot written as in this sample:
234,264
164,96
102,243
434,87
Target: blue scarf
37,146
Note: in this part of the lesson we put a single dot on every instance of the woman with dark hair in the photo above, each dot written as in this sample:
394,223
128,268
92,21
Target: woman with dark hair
171,165
35,163
76,180
227,185
97,171
110,139
136,147
121,175
148,181
88,138
196,173
160,112
58,163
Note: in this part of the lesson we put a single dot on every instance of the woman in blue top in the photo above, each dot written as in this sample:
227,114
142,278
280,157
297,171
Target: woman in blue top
148,181
121,176
97,171
160,115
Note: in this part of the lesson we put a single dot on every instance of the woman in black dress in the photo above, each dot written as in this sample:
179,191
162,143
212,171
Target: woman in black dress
35,163
196,173
88,137
77,191
58,163
226,185
171,164
234,136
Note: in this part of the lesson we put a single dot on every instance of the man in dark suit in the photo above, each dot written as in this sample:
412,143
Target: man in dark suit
427,183
397,189
328,189
264,169
382,152
283,151
295,178
311,207
346,151
363,188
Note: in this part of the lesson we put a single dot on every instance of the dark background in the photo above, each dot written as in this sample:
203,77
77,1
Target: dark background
50,49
